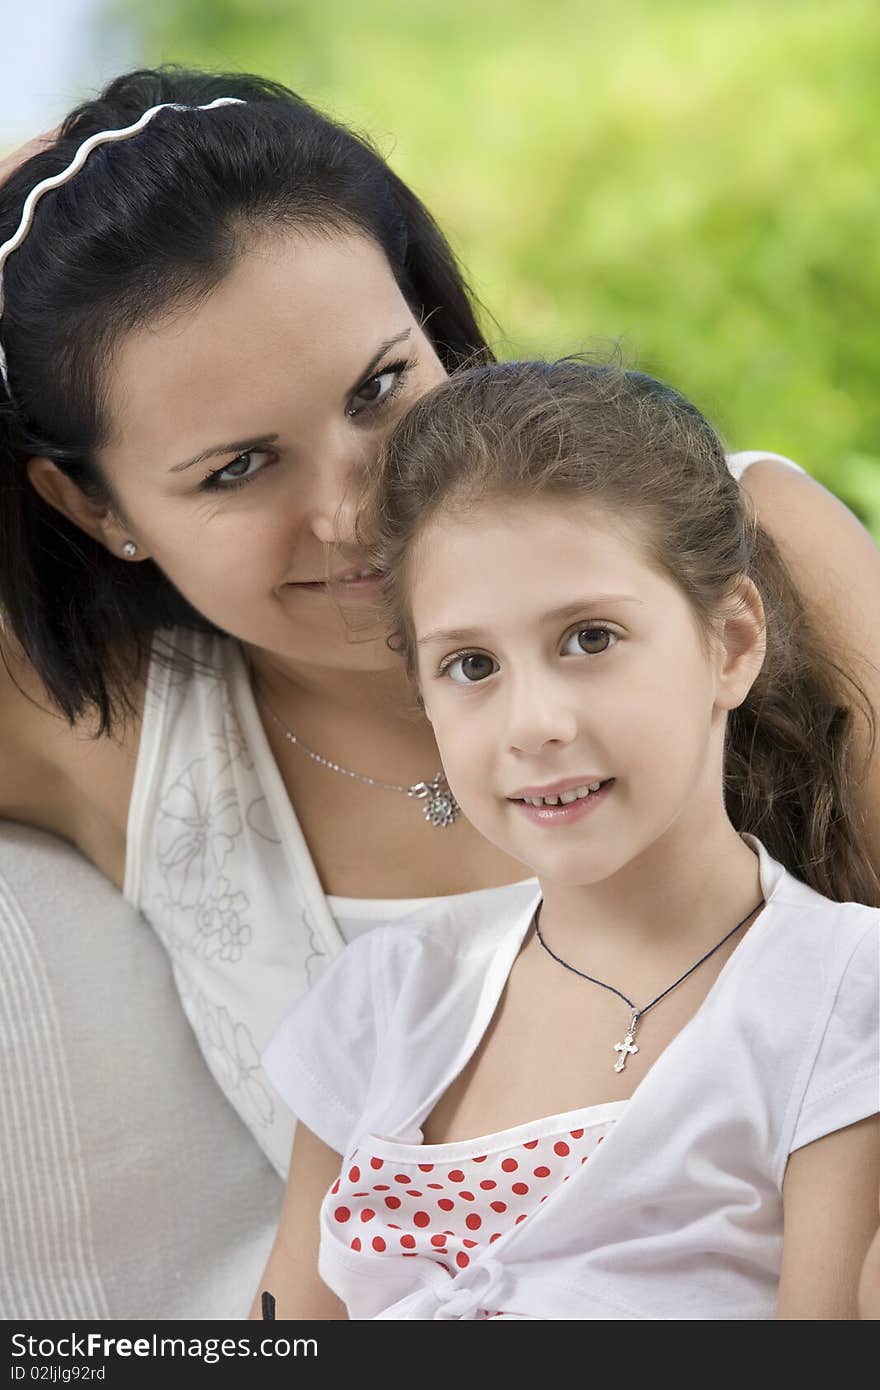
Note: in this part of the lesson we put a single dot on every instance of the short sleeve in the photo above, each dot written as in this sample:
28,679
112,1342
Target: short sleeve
844,1085
320,1059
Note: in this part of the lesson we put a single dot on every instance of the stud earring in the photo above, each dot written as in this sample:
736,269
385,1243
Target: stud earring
129,550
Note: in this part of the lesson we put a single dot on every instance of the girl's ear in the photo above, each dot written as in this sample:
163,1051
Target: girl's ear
742,645
62,493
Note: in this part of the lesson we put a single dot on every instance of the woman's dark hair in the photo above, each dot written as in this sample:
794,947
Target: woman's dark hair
573,429
146,224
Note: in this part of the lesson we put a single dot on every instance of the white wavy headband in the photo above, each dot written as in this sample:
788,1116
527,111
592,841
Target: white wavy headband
101,137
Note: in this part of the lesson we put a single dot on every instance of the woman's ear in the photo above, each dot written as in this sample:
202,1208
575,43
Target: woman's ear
742,633
91,516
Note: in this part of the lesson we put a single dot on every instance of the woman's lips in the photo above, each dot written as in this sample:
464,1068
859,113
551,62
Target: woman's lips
366,584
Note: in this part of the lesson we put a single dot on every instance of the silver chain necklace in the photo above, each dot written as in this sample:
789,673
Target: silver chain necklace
440,806
628,1046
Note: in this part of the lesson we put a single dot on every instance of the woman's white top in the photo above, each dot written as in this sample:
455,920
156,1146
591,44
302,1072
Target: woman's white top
218,864
678,1213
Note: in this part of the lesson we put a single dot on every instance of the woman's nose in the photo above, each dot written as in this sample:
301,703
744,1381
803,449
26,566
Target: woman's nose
541,711
332,493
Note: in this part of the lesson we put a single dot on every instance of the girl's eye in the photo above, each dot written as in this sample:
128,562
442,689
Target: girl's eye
473,667
591,640
469,668
379,389
239,471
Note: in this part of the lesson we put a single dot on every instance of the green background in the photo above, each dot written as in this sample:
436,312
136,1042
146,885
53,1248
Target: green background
699,178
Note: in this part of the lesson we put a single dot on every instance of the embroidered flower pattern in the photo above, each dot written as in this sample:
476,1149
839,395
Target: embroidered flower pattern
210,819
225,732
259,819
198,822
220,928
316,960
236,1063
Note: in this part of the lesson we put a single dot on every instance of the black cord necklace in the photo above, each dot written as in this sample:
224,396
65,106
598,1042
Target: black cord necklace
628,1046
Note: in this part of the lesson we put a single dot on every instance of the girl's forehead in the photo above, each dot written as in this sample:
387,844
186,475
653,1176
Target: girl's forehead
526,556
508,524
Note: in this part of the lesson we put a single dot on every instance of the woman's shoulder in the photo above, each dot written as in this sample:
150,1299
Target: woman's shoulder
738,462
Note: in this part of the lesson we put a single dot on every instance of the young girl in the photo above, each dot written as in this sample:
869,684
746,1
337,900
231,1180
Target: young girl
612,1100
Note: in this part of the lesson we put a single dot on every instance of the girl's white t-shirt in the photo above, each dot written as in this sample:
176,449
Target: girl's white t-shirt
678,1215
218,863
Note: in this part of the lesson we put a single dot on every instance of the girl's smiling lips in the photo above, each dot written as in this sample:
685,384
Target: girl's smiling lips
557,788
570,810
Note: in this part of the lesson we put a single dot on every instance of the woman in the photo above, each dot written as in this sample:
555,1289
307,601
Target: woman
209,330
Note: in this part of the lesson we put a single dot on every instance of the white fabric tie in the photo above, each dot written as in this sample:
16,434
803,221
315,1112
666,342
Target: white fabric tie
459,1296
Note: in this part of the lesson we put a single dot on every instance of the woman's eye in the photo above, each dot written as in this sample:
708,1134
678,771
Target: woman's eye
379,389
590,640
240,470
472,667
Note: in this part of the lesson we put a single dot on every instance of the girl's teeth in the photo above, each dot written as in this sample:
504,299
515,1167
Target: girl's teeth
565,799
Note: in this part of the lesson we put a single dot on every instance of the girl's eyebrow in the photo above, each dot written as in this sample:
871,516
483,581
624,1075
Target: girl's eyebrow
569,610
240,446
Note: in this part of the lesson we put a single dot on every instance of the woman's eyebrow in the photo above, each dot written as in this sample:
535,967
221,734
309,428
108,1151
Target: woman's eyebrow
385,347
238,446
569,610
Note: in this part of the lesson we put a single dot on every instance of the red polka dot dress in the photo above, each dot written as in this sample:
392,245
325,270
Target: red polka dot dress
451,1203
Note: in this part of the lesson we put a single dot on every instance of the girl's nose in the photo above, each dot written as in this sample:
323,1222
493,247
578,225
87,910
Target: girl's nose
541,712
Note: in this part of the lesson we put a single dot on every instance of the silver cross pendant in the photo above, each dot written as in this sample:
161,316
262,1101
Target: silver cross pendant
627,1046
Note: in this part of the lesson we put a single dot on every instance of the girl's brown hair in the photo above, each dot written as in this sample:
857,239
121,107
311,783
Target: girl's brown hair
573,428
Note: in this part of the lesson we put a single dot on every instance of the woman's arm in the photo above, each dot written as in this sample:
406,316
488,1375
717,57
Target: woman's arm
291,1275
830,1216
836,565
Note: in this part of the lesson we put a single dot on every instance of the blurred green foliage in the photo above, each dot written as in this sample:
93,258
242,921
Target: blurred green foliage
697,177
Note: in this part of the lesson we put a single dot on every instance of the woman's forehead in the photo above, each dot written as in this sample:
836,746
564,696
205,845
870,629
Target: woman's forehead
296,318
